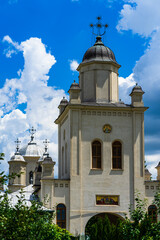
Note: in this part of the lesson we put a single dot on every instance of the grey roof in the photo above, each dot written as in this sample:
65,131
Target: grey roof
45,154
74,85
99,52
137,89
47,160
158,165
32,149
105,104
17,157
28,193
64,101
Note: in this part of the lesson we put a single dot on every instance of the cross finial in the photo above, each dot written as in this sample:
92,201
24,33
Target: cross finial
32,131
99,26
46,142
17,142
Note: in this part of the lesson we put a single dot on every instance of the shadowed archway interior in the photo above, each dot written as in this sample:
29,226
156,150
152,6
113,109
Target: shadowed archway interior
98,222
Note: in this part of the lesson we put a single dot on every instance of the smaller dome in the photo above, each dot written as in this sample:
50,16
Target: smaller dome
32,150
64,101
137,88
74,85
47,159
17,157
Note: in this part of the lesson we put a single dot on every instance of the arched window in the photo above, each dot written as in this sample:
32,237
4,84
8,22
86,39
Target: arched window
96,154
116,155
61,215
152,212
30,177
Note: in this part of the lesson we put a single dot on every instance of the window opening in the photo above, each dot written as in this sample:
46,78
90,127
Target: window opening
96,154
61,215
152,212
31,177
117,155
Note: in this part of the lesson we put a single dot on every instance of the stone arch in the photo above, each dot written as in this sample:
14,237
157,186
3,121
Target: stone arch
113,218
152,212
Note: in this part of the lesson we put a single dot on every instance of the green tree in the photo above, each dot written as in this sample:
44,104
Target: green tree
101,228
140,227
157,200
26,222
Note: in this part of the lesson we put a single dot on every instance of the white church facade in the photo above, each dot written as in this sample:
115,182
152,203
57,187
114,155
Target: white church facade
100,149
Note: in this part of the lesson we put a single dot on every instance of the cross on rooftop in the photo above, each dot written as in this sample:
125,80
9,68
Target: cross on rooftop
17,144
46,142
99,26
32,131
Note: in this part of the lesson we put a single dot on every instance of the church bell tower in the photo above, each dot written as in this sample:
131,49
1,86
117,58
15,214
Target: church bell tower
100,139
99,74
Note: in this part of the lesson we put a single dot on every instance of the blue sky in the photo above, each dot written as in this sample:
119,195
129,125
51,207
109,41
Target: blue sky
41,43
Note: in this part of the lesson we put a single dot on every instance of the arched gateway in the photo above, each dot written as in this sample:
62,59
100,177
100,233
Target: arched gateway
103,217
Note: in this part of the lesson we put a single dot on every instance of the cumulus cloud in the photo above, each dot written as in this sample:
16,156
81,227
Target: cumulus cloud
140,16
73,65
143,17
125,86
31,89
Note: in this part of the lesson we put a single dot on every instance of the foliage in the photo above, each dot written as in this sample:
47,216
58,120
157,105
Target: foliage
157,200
140,228
100,228
26,222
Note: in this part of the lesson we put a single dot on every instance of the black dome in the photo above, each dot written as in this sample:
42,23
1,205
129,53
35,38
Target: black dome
64,101
99,52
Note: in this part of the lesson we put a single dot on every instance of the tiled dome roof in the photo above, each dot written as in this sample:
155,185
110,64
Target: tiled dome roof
99,52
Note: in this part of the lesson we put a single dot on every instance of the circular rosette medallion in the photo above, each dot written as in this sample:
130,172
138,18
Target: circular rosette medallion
107,128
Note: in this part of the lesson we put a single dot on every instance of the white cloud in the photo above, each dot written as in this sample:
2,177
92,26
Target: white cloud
140,16
143,17
9,53
32,89
22,98
73,65
125,87
13,47
152,162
